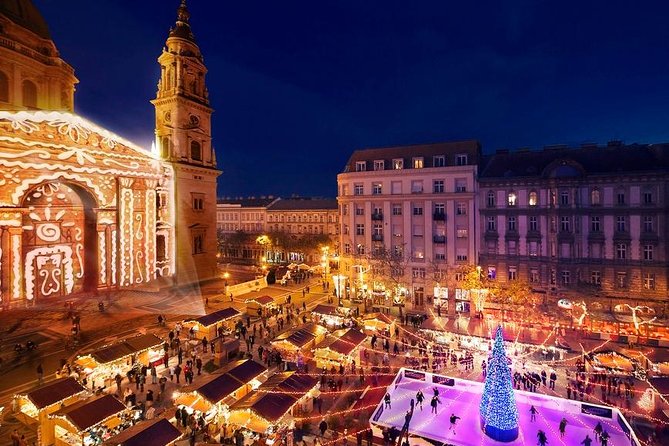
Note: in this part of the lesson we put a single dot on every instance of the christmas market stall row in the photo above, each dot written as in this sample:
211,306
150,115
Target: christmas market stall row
292,343
102,365
268,413
213,325
260,306
377,323
35,406
339,348
212,397
331,316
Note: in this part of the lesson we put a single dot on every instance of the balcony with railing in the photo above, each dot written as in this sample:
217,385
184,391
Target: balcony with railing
439,239
439,216
377,216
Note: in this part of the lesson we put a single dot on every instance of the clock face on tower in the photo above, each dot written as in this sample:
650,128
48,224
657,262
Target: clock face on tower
167,116
194,120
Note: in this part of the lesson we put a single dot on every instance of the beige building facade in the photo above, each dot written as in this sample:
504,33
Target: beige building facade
415,207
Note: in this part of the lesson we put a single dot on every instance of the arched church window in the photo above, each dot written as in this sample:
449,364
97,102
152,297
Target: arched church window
4,87
29,94
195,151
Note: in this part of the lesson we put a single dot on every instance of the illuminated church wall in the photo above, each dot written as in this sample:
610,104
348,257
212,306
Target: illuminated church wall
81,210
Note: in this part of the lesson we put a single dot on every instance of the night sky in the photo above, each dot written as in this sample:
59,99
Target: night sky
298,85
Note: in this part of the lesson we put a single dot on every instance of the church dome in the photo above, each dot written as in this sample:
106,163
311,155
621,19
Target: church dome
26,15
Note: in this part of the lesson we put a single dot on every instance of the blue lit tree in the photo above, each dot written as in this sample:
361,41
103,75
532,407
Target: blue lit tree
499,413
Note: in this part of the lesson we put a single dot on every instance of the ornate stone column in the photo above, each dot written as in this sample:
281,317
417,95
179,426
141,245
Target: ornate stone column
125,231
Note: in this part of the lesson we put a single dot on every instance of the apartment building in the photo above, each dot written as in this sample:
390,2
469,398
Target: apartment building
416,204
578,218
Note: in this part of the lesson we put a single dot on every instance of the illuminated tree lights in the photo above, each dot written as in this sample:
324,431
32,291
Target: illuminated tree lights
499,413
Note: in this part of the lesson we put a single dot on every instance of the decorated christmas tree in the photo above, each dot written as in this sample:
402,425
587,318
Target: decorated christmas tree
499,413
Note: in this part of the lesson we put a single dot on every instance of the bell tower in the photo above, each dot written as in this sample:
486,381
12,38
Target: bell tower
183,138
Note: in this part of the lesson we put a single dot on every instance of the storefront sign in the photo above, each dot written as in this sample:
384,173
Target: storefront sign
444,380
414,375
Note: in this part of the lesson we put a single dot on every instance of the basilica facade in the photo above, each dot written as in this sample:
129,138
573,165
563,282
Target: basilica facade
82,210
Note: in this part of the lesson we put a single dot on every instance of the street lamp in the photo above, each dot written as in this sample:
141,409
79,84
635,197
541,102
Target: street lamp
339,283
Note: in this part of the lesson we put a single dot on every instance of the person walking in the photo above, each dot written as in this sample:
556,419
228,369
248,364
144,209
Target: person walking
40,374
542,439
387,401
323,427
562,427
553,378
587,441
177,372
533,413
598,431
419,399
370,437
453,419
154,374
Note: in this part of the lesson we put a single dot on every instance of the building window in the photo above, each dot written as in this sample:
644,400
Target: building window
596,277
595,198
595,225
417,210
397,209
490,200
439,256
621,251
198,202
345,230
649,281
647,224
29,94
647,197
377,188
511,247
511,199
417,187
4,87
417,163
461,257
564,198
439,209
621,280
511,224
398,164
438,161
344,210
492,224
347,248
379,165
533,200
565,224
360,249
461,208
512,273
533,224
460,185
462,233
461,159
195,151
620,223
360,229
418,273
360,166
620,197
533,249
491,246
648,252
359,209
438,186
198,243
566,277
358,189
378,229
534,275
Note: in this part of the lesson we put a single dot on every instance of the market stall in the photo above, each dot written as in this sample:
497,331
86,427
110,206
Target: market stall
260,306
90,422
270,409
297,340
331,316
101,366
158,432
35,406
213,325
212,396
340,347
380,323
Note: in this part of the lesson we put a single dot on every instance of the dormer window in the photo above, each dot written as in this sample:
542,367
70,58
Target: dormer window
398,164
439,161
461,159
417,162
360,166
511,199
379,164
533,200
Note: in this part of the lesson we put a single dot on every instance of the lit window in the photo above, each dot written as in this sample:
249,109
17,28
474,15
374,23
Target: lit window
418,163
398,163
533,200
511,199
377,189
595,198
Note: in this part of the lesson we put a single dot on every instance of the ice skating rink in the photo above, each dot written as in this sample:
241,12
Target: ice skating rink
463,400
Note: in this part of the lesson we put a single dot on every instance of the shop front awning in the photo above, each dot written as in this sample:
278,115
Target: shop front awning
55,392
343,341
158,432
262,300
217,316
126,347
86,414
235,376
